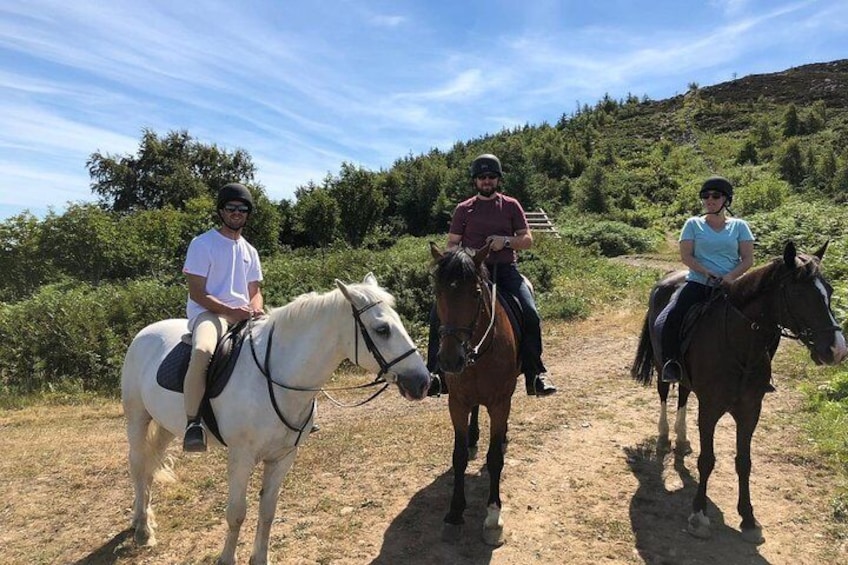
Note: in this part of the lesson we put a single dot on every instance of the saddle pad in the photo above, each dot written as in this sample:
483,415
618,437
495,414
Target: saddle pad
171,373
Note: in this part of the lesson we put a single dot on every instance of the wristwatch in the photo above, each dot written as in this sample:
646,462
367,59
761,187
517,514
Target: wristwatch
507,243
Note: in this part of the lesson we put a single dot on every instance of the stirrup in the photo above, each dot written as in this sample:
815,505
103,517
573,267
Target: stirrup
194,440
438,385
671,371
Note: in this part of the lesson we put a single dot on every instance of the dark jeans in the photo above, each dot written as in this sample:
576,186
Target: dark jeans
671,318
510,281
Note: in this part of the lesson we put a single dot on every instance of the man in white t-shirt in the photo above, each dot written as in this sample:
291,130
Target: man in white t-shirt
223,272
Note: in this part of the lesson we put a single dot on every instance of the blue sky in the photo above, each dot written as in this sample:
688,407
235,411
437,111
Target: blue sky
304,86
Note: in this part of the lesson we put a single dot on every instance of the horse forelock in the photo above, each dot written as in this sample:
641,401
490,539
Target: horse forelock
456,265
310,305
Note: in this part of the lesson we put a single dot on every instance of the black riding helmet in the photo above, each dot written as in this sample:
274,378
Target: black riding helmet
486,163
718,184
234,191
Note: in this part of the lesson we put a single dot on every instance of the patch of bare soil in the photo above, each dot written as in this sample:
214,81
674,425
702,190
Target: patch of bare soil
583,483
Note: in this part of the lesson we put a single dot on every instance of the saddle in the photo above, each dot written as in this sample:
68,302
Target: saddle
172,371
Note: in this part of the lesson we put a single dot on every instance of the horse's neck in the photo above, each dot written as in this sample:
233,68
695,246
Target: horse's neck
305,352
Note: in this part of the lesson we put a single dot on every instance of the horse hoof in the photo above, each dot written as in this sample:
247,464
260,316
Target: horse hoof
451,532
753,535
144,538
493,536
699,525
472,453
683,447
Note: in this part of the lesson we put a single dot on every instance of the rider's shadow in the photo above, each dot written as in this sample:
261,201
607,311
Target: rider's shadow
414,536
658,515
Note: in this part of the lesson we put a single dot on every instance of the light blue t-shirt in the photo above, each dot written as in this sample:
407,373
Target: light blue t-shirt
718,251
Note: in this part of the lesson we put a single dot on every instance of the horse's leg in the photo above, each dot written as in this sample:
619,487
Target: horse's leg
747,414
682,445
699,523
493,525
147,449
662,425
459,418
474,432
272,477
239,467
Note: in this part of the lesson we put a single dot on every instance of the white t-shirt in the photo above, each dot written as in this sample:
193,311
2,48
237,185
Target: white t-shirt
228,266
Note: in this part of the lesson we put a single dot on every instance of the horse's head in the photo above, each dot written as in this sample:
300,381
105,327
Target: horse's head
390,350
803,305
458,276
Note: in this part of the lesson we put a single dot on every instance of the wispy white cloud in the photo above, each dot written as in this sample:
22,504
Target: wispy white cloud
305,86
388,21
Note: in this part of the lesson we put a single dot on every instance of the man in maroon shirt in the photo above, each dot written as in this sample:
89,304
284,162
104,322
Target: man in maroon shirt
492,217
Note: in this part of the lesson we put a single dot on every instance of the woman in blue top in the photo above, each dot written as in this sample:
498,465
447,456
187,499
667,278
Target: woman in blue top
718,250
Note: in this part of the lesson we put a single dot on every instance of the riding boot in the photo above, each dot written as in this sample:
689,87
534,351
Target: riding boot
195,436
672,371
538,385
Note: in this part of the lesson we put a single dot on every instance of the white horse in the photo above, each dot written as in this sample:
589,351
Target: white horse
298,347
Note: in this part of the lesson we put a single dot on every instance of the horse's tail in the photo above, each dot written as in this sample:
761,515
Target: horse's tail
643,364
148,441
162,464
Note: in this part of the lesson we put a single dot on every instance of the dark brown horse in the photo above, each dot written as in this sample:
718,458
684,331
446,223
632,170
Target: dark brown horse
479,355
728,361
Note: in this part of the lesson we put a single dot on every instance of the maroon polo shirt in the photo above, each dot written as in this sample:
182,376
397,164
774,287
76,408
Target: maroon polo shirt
476,219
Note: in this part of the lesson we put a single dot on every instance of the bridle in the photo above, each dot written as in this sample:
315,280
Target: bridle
385,367
807,336
445,330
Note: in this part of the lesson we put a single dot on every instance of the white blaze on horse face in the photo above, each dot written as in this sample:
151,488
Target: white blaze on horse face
838,349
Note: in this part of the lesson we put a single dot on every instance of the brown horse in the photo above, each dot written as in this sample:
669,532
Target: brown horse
479,355
728,360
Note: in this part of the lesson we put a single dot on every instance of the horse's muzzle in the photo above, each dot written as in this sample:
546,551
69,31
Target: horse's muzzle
414,385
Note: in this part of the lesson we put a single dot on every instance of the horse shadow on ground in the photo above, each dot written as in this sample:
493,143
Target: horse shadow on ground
120,546
414,536
658,515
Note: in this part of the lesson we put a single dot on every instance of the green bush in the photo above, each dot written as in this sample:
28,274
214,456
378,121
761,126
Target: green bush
74,338
609,238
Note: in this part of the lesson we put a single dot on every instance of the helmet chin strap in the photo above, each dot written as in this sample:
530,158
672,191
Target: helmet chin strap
723,207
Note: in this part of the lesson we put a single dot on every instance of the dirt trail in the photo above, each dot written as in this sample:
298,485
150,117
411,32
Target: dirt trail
583,481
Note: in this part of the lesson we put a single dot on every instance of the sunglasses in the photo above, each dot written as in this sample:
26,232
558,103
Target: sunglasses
237,208
711,195
488,176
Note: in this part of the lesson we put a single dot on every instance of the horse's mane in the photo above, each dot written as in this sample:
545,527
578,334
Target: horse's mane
456,265
754,282
310,305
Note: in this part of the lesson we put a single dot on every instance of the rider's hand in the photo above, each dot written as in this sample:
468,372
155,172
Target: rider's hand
240,313
496,242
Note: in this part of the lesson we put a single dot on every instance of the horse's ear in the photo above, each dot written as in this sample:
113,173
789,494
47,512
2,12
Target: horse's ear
481,254
370,279
347,293
789,254
434,251
820,252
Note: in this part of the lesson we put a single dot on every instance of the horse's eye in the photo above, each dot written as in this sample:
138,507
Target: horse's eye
383,330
